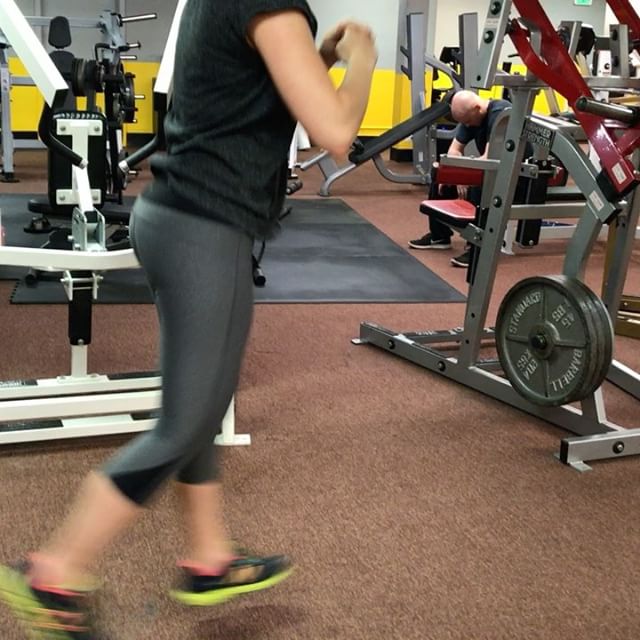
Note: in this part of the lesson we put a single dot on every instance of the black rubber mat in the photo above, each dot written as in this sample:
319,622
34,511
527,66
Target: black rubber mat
326,252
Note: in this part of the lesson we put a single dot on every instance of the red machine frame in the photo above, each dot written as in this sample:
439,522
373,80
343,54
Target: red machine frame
556,68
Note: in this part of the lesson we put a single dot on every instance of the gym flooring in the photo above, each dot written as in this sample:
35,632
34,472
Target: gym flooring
414,508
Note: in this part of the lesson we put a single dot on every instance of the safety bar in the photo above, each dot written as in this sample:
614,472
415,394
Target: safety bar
619,112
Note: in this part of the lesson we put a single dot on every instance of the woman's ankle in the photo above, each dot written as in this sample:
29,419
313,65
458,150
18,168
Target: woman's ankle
210,561
50,571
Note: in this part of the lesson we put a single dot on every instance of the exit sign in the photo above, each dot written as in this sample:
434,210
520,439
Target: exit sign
583,3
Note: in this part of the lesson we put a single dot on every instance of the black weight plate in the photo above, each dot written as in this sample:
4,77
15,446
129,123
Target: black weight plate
128,98
547,340
583,298
604,329
77,77
588,301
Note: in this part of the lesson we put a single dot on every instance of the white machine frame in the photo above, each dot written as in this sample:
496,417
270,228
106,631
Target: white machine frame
80,404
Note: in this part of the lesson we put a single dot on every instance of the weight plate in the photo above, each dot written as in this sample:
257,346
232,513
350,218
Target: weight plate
128,98
598,351
554,339
604,328
78,76
93,76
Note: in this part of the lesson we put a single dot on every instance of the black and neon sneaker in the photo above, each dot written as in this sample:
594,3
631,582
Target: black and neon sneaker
245,574
45,614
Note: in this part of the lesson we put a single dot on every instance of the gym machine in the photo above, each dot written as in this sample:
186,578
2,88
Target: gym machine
80,404
92,133
582,43
107,59
420,127
553,335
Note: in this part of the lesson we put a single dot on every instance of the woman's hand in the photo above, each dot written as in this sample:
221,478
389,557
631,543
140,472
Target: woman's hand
343,39
356,38
330,42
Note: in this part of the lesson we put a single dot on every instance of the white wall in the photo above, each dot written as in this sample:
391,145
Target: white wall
381,15
26,6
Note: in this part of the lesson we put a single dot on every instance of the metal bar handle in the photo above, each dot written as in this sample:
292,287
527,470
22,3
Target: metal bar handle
619,112
138,18
47,136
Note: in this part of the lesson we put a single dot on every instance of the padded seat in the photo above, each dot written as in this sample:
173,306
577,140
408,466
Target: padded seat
454,213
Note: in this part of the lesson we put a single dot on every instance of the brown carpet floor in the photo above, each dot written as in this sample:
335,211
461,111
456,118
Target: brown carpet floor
415,508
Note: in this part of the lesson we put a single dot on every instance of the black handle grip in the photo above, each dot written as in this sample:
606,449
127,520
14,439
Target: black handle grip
619,112
259,279
46,135
157,143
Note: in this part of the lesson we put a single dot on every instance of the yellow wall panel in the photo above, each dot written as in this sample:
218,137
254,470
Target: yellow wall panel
379,116
26,102
390,100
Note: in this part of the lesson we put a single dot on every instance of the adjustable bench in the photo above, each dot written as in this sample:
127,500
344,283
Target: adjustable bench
454,213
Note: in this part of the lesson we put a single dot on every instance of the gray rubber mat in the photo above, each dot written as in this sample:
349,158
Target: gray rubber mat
326,252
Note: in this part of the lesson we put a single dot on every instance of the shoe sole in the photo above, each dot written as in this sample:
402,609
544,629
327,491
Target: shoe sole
462,265
219,596
15,593
435,247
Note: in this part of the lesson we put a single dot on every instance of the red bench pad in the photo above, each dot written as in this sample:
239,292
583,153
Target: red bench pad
454,213
447,174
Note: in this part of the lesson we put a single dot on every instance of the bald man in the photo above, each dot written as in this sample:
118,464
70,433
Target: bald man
476,117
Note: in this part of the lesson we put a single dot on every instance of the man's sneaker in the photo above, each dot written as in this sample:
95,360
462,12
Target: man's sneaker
245,574
462,260
428,242
46,615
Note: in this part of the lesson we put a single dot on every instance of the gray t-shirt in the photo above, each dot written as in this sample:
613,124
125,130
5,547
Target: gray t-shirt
228,130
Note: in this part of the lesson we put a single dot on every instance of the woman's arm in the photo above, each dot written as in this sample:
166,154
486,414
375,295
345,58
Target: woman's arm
331,116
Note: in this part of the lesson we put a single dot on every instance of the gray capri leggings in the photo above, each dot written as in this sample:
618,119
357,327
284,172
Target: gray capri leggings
200,273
